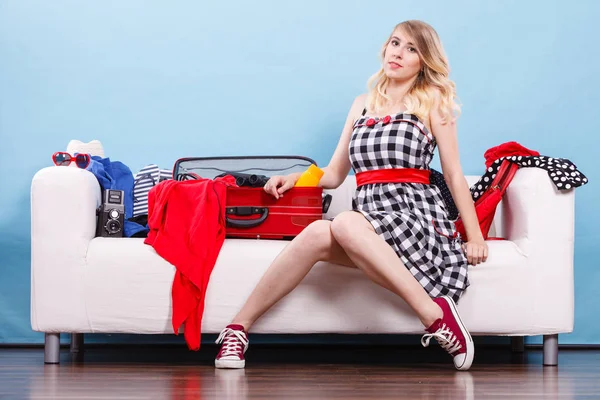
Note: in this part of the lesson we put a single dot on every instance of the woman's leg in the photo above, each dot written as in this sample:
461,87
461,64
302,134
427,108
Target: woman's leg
381,264
315,243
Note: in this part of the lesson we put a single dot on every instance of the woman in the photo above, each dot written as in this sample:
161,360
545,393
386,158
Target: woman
398,232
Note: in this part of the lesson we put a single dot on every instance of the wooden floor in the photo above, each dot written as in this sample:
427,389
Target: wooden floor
297,373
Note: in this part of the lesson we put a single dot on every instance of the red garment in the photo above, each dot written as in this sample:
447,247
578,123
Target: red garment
505,150
187,228
486,204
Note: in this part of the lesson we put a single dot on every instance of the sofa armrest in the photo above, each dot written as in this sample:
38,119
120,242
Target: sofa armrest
536,215
539,219
63,222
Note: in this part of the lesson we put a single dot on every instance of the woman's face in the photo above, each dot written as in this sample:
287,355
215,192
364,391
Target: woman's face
401,61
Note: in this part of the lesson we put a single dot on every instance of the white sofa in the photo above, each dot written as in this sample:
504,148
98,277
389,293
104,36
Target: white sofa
86,284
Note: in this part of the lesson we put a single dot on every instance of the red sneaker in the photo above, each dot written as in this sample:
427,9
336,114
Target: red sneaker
451,334
235,343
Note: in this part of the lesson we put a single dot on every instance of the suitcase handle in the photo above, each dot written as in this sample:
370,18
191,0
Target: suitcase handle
246,211
326,203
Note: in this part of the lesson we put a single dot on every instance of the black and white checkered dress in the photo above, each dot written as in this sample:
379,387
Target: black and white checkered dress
410,217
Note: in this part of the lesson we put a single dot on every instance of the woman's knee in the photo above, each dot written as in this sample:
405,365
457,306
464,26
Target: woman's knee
317,237
345,228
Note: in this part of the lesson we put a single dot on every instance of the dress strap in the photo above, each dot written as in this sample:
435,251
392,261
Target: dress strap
364,111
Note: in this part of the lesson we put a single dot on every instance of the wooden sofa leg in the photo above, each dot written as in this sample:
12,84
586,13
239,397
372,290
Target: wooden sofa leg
551,349
76,342
52,348
517,344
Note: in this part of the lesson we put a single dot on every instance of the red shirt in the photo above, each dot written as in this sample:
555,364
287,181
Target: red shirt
187,228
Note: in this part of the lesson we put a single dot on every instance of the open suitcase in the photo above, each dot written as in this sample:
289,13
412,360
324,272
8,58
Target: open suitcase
250,211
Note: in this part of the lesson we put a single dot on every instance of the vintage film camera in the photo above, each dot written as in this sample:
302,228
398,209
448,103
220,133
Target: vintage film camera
111,214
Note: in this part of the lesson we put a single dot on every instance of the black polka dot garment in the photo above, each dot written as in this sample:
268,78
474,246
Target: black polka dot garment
564,173
411,217
437,178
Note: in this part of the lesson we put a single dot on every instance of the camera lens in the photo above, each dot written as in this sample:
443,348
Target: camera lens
113,226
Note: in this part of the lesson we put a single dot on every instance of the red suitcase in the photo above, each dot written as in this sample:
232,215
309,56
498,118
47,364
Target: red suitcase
251,212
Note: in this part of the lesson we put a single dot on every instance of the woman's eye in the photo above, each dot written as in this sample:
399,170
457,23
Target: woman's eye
412,49
395,42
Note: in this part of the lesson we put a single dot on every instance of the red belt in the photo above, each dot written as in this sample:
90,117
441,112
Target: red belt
410,175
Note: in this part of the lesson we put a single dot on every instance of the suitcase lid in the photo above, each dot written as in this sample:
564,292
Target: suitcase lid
211,167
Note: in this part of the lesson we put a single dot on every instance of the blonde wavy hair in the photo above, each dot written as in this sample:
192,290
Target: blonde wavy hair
434,75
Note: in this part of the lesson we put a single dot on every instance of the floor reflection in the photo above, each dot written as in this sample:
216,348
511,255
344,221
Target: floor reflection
296,382
102,375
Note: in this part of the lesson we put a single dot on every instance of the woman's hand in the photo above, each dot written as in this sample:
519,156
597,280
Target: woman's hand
476,251
277,184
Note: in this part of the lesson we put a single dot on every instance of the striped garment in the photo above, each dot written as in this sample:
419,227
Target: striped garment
143,181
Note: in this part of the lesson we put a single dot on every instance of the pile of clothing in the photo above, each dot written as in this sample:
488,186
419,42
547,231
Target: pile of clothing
190,238
564,173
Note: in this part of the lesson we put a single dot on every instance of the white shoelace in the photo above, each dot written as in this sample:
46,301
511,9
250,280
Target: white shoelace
444,337
232,339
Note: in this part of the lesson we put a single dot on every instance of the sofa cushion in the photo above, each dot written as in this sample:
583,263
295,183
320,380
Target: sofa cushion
128,289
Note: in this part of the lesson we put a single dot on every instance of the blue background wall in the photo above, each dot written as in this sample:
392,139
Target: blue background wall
188,78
